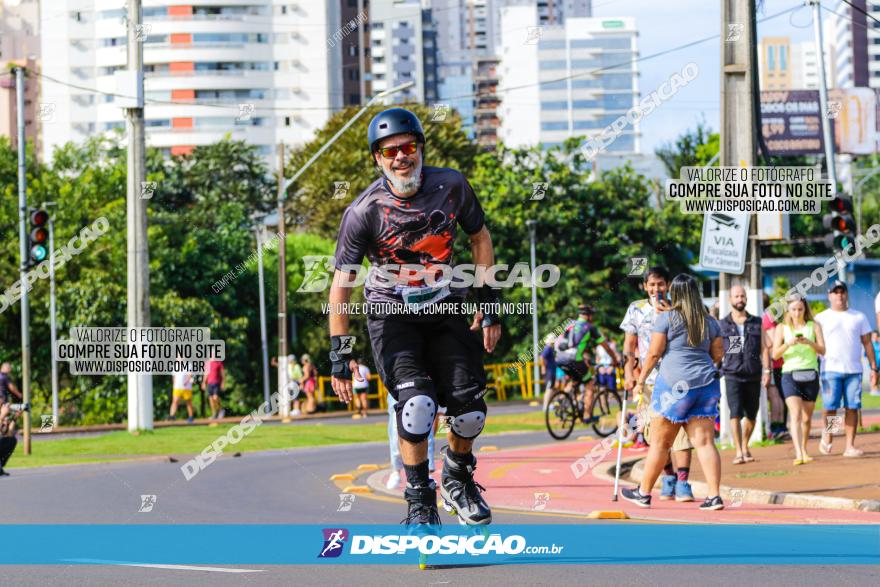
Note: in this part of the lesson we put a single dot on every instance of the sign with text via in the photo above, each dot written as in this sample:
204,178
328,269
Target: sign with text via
723,244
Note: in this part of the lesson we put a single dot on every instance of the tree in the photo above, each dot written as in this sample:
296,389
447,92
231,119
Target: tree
591,231
348,160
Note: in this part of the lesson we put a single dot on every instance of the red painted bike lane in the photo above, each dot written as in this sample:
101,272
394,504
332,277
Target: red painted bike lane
540,479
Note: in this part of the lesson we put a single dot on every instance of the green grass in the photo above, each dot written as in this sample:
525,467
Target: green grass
191,440
764,474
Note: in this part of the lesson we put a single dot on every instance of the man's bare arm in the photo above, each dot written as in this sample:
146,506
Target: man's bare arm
484,256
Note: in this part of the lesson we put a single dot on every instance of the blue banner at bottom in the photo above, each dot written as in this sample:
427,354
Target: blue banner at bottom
601,544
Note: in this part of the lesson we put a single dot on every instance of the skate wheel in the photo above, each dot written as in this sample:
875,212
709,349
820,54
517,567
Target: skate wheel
423,562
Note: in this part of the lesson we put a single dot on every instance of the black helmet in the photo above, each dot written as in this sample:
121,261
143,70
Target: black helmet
394,121
586,309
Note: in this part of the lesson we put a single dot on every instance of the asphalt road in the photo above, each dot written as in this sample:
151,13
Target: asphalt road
293,487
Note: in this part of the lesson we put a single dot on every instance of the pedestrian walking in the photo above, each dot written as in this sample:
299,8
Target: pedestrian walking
637,325
686,389
778,408
746,367
361,384
846,335
213,383
799,341
182,382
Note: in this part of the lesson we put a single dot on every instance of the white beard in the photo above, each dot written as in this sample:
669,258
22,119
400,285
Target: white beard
406,187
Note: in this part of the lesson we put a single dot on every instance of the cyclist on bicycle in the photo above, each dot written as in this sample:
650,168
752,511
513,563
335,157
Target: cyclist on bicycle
574,349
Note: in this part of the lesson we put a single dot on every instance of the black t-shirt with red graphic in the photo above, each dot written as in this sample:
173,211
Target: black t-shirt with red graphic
418,230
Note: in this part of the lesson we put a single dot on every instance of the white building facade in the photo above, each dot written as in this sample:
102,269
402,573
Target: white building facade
262,72
573,80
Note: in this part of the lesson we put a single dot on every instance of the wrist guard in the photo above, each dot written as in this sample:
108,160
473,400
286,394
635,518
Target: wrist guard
341,347
487,297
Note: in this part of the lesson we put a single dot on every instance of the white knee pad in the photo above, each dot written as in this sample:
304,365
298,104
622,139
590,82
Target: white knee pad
469,425
417,417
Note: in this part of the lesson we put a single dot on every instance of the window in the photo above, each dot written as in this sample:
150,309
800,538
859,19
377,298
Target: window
554,64
771,57
554,125
555,105
585,104
554,44
584,63
617,81
782,64
553,85
608,43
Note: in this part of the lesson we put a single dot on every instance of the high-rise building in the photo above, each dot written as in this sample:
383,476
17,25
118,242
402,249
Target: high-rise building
853,42
403,48
19,45
354,47
568,80
774,63
262,72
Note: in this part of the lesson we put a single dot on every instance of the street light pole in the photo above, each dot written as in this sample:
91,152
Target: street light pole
25,256
52,325
532,226
258,231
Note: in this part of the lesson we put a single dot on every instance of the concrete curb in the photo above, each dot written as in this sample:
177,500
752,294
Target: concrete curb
764,496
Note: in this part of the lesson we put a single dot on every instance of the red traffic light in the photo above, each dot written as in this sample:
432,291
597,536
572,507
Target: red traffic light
842,205
39,217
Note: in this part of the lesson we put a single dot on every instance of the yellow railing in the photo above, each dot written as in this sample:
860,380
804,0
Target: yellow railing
500,378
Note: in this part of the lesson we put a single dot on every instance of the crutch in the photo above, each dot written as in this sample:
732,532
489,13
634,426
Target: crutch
619,444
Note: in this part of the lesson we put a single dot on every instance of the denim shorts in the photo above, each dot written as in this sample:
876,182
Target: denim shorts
841,386
679,406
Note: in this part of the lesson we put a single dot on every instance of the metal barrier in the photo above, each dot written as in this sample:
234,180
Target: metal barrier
500,377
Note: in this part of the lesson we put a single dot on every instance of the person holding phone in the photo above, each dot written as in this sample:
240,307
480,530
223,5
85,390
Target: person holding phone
799,342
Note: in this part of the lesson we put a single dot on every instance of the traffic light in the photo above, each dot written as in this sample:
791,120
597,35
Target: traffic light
39,236
841,224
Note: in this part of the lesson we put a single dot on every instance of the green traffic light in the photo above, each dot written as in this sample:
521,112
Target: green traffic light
39,253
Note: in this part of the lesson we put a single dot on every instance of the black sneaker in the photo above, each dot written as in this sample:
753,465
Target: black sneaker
461,494
3,473
635,496
712,503
422,510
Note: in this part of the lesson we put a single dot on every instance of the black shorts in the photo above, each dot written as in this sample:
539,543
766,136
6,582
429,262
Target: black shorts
214,389
743,398
807,390
577,370
441,347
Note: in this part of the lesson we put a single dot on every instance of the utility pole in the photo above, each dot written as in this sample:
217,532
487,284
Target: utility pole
25,256
532,226
140,385
258,230
53,333
823,107
282,290
738,141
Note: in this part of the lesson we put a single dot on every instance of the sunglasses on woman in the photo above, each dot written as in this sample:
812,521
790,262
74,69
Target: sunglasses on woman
407,148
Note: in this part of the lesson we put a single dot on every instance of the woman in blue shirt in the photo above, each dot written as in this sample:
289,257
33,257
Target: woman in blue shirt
686,391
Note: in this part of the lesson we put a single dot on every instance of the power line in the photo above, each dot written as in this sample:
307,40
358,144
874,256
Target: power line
858,9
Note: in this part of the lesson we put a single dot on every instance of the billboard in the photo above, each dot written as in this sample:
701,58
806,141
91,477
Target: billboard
791,121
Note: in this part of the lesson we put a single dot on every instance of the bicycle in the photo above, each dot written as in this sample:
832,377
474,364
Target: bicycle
563,411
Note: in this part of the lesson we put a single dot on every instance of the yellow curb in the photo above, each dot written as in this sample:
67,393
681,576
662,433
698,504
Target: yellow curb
585,438
600,515
357,489
368,467
286,420
489,448
212,425
533,404
342,477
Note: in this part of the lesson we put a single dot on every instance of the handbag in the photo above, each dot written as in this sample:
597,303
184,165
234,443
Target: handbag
804,375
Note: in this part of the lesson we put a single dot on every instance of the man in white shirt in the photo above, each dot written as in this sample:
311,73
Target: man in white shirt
847,333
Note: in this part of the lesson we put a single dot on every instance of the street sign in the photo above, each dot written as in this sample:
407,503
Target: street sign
723,243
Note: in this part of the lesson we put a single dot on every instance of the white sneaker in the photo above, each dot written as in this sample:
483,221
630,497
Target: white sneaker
393,480
875,392
295,412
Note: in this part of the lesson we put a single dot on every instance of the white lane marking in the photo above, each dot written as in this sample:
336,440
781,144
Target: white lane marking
160,566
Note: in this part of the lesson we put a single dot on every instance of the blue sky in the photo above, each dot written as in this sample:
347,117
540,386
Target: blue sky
663,25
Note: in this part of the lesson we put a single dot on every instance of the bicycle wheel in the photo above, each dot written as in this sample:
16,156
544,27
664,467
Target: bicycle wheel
606,408
560,416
